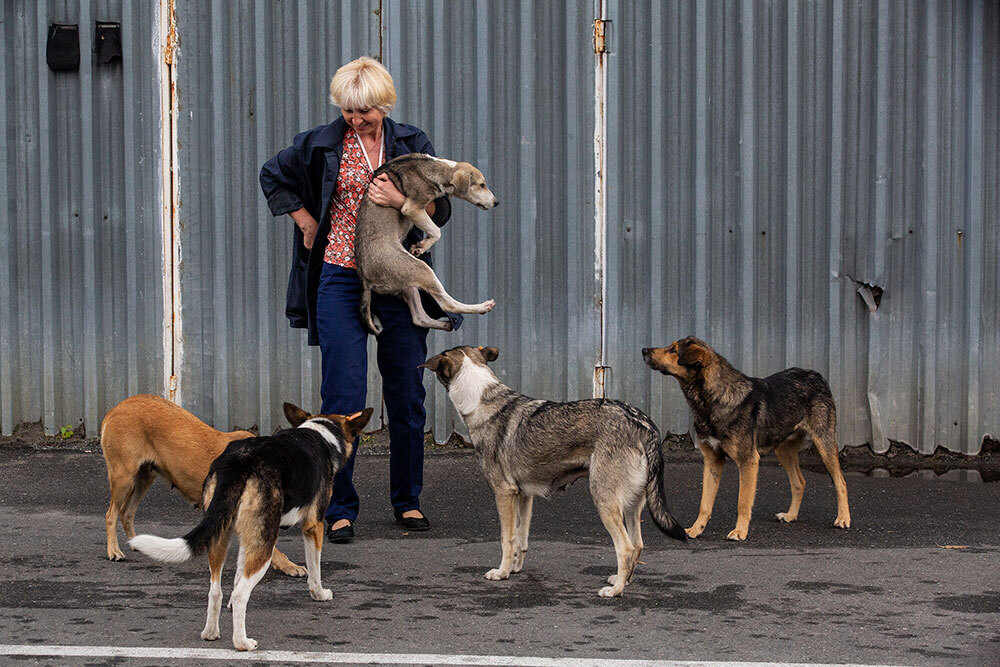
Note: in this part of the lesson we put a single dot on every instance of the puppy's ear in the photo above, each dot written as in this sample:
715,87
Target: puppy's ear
354,423
294,414
460,179
491,353
439,364
694,355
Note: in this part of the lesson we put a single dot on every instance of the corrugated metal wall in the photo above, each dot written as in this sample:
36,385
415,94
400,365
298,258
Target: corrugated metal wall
250,76
80,245
765,159
768,158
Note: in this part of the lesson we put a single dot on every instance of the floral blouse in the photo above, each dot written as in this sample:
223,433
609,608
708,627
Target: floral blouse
352,184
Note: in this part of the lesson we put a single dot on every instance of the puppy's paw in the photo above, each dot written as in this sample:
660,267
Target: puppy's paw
518,561
321,594
245,645
737,534
610,591
785,517
489,305
115,555
842,522
496,574
210,634
694,531
419,248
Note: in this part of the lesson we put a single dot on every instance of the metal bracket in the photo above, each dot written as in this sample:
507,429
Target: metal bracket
602,36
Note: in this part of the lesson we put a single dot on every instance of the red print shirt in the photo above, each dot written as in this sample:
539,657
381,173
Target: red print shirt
352,184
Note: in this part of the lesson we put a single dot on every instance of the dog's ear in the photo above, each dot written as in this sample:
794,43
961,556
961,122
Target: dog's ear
460,179
439,364
694,355
354,423
294,414
490,353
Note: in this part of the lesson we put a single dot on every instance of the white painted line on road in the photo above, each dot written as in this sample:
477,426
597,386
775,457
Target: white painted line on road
37,650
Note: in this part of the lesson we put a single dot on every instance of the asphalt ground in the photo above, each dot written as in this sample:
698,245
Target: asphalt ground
914,581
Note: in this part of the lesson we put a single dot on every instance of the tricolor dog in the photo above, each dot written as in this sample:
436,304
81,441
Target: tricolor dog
742,417
254,487
529,447
145,435
383,263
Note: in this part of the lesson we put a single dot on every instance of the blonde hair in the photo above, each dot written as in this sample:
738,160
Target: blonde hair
363,84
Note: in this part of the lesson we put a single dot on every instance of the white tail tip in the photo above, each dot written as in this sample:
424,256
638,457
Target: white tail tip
174,550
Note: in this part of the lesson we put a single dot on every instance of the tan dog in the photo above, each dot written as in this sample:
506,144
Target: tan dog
743,417
144,435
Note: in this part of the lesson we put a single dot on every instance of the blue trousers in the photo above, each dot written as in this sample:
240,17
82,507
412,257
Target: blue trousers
401,346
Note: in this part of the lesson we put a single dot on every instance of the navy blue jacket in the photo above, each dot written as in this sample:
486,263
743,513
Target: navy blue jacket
304,175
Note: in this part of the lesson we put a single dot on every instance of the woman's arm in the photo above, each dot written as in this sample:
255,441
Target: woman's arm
283,180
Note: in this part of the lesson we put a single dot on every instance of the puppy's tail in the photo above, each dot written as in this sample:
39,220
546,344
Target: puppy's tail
215,527
656,498
366,310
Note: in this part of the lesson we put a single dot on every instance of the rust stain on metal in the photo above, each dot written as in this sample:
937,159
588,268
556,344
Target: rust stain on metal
171,45
599,376
600,36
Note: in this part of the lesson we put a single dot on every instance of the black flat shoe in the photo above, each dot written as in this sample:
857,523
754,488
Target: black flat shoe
341,535
412,523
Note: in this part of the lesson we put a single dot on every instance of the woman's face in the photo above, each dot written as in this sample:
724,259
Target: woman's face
364,121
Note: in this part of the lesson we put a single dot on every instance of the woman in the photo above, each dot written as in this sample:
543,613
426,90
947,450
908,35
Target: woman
319,181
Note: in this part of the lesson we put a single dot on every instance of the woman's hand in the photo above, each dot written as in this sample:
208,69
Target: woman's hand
383,191
307,224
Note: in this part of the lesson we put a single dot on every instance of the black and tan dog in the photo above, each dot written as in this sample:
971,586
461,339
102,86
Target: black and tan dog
146,435
254,487
743,417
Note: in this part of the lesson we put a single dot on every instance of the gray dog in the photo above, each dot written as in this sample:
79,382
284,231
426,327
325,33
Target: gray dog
384,265
530,447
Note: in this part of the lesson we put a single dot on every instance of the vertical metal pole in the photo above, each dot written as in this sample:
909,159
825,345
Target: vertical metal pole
169,202
600,191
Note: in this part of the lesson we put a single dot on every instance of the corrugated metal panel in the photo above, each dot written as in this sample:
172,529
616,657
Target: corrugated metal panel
768,159
250,76
765,158
510,89
80,269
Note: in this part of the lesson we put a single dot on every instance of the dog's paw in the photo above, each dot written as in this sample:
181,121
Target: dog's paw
737,534
321,594
518,561
116,555
210,634
694,531
496,574
610,591
785,517
418,249
293,570
489,305
245,645
842,522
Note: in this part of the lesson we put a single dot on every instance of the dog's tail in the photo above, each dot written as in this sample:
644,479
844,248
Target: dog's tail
366,310
215,526
656,498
